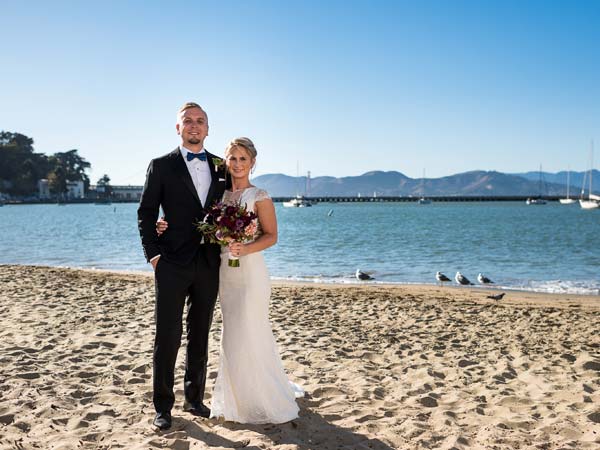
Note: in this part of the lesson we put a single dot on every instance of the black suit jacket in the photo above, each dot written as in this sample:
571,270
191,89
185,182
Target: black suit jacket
169,184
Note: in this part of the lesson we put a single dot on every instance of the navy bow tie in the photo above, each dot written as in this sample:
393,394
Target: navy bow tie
201,156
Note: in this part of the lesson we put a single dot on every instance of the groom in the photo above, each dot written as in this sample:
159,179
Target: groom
184,183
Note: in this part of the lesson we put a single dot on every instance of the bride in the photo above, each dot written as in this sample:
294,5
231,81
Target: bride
251,385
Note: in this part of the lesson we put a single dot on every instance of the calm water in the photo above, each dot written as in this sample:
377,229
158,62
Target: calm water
551,248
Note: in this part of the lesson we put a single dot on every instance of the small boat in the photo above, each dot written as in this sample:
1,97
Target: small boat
568,200
423,200
297,202
535,201
592,201
590,204
538,200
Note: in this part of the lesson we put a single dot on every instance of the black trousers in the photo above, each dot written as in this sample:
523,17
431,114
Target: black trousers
199,284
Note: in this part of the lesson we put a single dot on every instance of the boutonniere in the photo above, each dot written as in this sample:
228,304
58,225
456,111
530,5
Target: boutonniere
218,163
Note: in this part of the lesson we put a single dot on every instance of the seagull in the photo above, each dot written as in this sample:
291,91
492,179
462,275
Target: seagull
461,279
362,276
441,278
483,279
496,297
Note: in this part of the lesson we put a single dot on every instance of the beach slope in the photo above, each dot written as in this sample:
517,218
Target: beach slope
410,367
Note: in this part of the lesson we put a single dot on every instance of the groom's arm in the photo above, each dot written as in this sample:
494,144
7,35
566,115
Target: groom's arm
148,212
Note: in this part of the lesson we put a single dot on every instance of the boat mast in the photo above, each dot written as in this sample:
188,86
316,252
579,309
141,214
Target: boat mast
591,168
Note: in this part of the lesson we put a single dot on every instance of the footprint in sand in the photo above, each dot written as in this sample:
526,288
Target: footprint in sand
428,402
28,375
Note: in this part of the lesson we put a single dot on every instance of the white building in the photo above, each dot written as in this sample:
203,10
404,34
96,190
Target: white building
75,189
43,189
128,192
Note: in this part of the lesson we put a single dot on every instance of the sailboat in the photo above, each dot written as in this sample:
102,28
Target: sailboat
592,201
299,201
537,200
568,200
422,200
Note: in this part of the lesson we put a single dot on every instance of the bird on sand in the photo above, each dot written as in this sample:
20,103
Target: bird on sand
483,279
441,278
496,297
461,279
362,276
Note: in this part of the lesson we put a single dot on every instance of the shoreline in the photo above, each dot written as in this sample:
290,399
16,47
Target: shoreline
489,290
398,367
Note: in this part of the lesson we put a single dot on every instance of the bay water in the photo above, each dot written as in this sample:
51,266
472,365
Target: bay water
545,248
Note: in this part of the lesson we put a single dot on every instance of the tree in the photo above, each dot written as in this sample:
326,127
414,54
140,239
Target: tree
103,187
73,165
20,167
57,181
16,140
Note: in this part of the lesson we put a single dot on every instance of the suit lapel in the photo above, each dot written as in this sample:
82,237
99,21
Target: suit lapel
183,173
214,177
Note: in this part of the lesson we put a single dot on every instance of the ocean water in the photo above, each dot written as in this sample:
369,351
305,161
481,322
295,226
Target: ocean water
550,248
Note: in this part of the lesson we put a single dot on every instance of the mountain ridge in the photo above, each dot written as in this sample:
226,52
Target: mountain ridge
394,183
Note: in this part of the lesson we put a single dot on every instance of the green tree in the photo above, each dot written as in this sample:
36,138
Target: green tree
73,165
16,140
57,181
103,187
20,167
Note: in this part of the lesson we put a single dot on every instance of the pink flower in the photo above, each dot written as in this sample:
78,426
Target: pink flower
251,229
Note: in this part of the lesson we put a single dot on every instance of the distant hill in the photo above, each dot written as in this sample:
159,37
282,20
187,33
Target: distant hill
476,183
576,178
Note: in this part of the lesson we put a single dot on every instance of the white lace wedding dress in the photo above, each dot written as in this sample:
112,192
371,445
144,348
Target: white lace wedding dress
251,385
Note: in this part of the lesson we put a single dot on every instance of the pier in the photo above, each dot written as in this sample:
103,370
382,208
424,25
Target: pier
324,199
450,198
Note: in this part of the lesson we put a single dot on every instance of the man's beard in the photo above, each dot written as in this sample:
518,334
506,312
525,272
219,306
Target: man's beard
194,141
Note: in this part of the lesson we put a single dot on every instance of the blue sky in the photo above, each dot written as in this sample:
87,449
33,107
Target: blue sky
341,88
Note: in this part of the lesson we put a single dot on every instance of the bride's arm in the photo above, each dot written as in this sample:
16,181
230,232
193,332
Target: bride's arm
265,210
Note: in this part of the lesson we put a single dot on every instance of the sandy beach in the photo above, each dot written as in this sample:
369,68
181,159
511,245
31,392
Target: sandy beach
403,367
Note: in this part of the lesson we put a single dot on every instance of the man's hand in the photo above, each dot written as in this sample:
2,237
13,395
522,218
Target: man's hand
154,262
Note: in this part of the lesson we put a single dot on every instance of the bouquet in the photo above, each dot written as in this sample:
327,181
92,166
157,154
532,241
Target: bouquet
228,223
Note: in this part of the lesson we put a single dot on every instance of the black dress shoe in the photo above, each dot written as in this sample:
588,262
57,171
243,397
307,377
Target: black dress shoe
163,420
197,409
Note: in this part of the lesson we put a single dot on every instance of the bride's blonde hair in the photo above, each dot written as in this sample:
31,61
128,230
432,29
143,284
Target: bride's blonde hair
242,142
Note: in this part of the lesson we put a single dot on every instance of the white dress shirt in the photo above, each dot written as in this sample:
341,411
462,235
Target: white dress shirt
200,173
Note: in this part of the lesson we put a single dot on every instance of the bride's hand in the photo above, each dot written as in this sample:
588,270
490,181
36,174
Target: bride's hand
161,226
237,249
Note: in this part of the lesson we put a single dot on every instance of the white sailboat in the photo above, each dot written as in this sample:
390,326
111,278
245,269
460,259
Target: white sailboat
537,200
299,201
568,200
422,200
592,201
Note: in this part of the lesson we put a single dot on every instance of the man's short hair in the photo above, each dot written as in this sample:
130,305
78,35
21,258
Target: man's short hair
189,105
